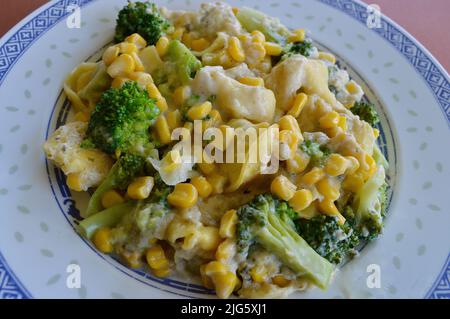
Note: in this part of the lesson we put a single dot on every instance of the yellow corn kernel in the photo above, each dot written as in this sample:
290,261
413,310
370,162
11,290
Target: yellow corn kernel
162,130
215,117
81,117
173,119
297,163
200,44
161,273
161,46
328,188
235,49
225,284
313,176
297,36
336,165
111,198
184,195
352,164
187,39
200,111
207,168
74,182
329,120
297,106
258,274
209,238
301,199
138,66
244,38
102,240
226,250
327,56
288,122
353,182
181,94
154,93
282,187
258,36
141,187
342,124
121,66
273,49
281,281
352,87
127,48
156,258
252,81
334,131
228,224
178,34
328,207
376,133
203,187
235,10
110,54
215,267
119,82
137,40
142,78
217,182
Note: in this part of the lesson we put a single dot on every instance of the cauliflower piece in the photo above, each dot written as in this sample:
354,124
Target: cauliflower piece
297,72
234,99
63,148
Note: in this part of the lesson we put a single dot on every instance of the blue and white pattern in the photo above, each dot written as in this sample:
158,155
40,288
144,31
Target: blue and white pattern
10,286
441,288
20,41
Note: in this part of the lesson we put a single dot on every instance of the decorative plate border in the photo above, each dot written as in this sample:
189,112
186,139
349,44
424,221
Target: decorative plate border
17,44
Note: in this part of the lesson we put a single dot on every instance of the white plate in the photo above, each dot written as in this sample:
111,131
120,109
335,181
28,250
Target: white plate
38,242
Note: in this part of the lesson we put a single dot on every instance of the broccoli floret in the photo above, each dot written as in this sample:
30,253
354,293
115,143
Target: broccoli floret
122,173
304,48
121,119
260,222
143,18
318,153
179,67
329,239
366,112
272,28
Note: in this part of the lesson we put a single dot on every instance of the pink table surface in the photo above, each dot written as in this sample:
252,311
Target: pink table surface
427,20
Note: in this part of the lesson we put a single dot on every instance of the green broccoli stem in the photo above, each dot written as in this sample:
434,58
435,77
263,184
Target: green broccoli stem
280,238
252,20
106,218
120,175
